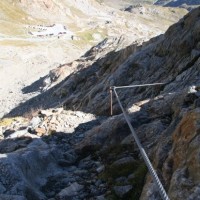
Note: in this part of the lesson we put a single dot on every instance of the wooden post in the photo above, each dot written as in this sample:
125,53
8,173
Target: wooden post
111,101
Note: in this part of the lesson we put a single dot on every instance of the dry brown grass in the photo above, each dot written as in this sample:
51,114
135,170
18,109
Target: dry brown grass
9,121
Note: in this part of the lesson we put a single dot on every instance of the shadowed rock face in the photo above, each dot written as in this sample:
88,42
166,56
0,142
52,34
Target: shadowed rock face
37,165
24,171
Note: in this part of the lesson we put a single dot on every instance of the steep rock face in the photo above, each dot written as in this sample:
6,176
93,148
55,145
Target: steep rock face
172,59
95,70
174,154
184,157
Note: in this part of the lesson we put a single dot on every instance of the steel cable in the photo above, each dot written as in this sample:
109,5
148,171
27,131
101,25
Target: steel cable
161,189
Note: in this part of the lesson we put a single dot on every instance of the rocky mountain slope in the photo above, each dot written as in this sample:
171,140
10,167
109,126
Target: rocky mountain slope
165,118
27,58
125,3
83,153
189,4
122,67
177,2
